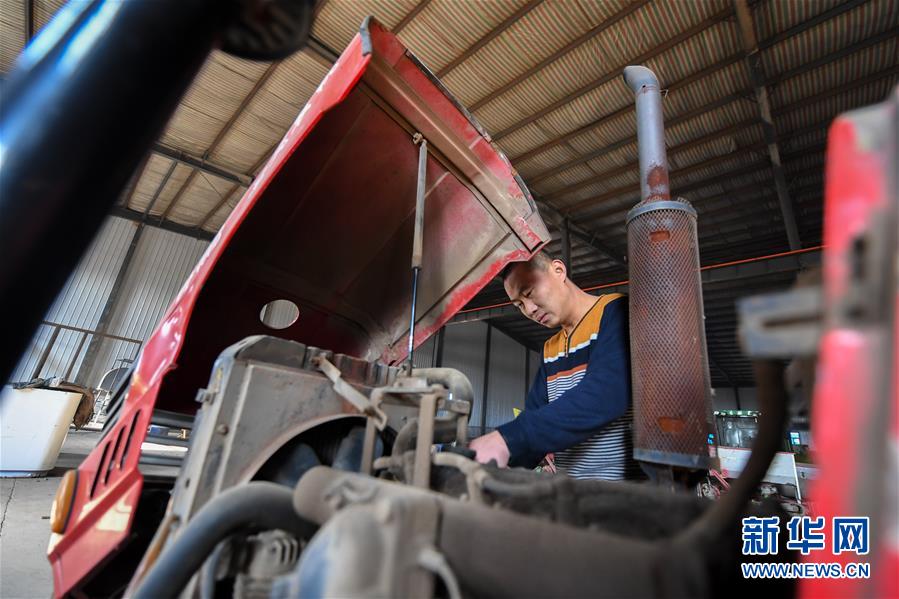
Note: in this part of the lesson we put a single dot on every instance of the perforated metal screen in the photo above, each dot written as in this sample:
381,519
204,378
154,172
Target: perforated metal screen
671,384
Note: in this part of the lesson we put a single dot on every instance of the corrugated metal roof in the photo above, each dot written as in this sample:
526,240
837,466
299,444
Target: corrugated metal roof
206,191
337,22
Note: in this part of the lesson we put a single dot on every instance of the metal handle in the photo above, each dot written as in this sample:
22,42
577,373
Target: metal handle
349,393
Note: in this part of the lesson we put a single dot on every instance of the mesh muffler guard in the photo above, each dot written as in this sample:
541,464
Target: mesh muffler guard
670,371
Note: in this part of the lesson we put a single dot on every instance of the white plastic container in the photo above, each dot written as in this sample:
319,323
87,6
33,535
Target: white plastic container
33,425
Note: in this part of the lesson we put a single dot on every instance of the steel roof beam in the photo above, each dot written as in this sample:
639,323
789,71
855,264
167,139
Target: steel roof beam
557,219
166,225
201,165
159,189
225,129
489,37
799,105
684,189
408,18
218,205
615,73
566,244
29,20
723,178
632,188
679,85
709,220
804,103
629,107
131,187
769,129
761,245
582,39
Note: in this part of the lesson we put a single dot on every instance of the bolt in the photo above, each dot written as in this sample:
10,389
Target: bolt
222,429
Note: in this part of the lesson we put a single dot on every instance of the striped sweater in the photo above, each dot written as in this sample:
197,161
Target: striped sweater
579,406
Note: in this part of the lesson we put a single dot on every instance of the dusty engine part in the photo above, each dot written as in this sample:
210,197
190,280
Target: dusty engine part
263,393
484,550
300,418
595,538
641,511
373,549
269,555
262,505
672,405
428,390
383,538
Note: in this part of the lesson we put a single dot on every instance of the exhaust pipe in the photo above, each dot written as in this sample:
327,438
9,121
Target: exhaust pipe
669,362
654,184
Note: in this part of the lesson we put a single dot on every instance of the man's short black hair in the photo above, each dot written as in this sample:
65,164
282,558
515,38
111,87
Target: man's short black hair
539,260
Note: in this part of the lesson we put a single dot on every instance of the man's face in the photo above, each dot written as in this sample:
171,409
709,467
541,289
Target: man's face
539,293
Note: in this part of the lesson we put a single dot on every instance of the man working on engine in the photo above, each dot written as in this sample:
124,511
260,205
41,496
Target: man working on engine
579,405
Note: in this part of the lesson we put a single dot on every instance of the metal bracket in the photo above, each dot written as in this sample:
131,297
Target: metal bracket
349,393
781,325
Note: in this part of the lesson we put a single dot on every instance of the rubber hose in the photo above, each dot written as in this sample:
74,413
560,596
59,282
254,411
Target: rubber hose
444,432
259,505
773,404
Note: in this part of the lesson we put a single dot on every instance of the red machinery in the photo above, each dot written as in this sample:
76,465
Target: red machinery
328,224
855,417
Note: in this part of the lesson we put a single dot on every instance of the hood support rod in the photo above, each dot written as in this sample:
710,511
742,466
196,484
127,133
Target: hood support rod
422,144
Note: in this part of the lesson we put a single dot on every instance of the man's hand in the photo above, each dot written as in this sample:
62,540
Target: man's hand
491,446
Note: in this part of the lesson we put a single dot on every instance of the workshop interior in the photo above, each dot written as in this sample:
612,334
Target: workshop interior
252,254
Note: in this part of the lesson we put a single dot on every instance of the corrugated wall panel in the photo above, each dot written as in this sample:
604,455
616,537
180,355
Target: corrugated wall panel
79,303
423,357
506,387
161,263
463,349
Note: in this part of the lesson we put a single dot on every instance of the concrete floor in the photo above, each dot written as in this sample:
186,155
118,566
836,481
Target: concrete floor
25,523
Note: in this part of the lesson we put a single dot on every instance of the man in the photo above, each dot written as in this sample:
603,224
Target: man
579,406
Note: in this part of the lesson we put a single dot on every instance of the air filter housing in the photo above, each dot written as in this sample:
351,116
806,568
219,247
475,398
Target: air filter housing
673,420
669,360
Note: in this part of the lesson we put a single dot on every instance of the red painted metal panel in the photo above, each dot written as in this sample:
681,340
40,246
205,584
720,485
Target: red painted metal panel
328,225
856,408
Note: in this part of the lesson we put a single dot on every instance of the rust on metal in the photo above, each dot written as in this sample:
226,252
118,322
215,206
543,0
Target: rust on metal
669,424
659,236
657,181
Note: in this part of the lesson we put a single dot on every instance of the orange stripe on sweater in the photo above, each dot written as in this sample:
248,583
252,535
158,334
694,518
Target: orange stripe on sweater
571,371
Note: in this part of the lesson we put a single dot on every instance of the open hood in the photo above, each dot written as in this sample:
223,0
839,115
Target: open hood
328,223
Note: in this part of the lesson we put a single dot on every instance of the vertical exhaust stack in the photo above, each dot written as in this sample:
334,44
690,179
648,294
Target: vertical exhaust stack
670,369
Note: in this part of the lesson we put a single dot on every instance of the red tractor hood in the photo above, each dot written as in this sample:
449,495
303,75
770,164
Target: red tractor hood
328,224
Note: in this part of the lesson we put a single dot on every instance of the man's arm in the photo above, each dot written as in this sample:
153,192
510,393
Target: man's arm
492,446
602,396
